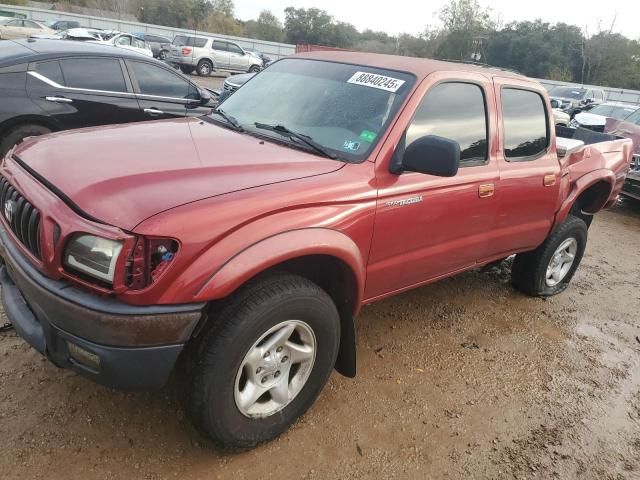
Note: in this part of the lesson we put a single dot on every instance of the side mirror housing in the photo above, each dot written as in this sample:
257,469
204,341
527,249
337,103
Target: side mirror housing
205,97
432,155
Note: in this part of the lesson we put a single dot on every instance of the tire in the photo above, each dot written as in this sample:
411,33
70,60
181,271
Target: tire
162,55
186,70
16,134
254,69
204,68
529,273
221,360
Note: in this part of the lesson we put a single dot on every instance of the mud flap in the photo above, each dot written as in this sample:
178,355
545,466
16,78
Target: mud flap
346,361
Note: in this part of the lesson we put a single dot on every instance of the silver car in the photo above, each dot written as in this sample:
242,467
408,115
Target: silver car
206,54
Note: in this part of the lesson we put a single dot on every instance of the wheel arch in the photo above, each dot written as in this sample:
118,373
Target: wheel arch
28,120
326,257
588,196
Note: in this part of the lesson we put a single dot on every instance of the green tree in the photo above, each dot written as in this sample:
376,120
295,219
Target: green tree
313,26
466,24
266,27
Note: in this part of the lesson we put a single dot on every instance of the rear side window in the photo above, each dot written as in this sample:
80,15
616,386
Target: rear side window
94,74
525,124
51,70
184,41
455,111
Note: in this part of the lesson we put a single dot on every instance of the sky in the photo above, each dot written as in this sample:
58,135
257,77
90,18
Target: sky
412,16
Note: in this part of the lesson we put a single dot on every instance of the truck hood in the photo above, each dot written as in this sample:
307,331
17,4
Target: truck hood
123,174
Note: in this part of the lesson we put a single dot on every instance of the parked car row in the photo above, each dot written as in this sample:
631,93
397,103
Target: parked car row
114,38
48,85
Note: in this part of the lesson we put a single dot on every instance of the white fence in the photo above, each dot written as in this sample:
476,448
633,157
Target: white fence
272,49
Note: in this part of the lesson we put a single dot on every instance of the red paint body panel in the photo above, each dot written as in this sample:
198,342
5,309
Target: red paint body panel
238,206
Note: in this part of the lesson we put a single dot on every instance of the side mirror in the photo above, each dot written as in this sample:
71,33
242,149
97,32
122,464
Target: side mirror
205,97
432,155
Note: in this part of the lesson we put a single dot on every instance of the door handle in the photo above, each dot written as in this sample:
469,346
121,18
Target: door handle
549,180
153,111
486,190
58,99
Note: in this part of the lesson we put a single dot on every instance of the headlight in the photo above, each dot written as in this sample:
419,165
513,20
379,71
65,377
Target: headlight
93,256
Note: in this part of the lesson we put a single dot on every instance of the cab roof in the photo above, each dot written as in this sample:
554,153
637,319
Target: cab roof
420,67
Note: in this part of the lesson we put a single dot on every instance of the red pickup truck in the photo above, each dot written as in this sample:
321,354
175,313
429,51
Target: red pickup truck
243,243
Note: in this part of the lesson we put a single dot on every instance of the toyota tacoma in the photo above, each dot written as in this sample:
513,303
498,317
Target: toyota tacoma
237,248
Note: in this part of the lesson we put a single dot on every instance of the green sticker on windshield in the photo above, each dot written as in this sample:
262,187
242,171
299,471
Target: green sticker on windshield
368,136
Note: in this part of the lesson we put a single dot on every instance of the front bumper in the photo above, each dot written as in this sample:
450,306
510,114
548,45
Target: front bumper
121,346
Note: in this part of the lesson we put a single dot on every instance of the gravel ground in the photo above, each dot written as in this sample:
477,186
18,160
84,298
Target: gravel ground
461,379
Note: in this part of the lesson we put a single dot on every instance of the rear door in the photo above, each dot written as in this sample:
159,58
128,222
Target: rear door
83,91
164,93
221,54
529,183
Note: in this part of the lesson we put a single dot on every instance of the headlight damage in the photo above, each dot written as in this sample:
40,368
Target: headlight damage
92,256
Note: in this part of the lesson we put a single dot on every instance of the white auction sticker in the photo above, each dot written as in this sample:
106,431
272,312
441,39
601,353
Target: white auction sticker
373,80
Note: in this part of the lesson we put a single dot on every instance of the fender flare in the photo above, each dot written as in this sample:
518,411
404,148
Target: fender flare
277,249
582,184
289,245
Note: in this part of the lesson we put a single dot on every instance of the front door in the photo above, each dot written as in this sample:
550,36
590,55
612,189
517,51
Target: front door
237,58
426,226
163,93
220,53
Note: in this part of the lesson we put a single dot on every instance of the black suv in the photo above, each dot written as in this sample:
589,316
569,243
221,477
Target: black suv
48,85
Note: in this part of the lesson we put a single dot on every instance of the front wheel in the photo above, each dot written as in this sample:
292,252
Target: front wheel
162,55
264,361
548,269
254,69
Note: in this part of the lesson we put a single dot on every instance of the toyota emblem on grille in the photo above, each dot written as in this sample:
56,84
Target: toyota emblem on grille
8,210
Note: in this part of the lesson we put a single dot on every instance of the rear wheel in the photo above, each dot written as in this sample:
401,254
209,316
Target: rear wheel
205,68
264,361
548,269
18,133
186,70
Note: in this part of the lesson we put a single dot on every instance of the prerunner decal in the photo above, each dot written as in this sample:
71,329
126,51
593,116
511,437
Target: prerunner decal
373,80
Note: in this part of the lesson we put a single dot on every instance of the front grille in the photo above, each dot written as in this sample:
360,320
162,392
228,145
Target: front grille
229,88
22,217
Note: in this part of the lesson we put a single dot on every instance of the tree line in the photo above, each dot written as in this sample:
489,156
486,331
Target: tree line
468,32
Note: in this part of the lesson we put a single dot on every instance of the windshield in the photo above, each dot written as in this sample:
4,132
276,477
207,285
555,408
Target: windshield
344,108
568,92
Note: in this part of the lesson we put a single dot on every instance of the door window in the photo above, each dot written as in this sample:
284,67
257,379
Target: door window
30,24
14,23
218,45
94,74
51,70
455,111
526,130
158,81
233,48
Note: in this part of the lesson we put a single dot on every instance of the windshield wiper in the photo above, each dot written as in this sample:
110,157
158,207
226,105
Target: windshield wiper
307,140
229,119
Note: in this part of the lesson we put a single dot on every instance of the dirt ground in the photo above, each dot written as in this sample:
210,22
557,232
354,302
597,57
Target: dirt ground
461,379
